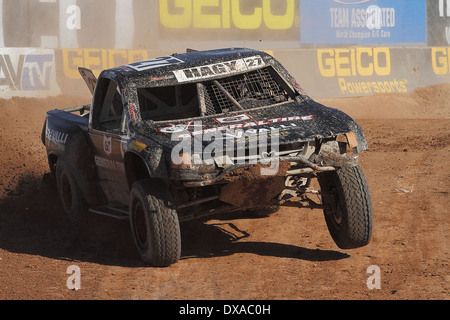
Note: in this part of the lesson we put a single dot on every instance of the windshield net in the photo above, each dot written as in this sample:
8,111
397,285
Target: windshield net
259,88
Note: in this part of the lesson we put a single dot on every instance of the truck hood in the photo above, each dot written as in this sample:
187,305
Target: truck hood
291,122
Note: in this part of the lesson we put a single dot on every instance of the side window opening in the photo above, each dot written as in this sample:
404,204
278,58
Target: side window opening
169,103
108,111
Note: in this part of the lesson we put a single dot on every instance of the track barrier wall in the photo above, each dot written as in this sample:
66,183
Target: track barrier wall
334,48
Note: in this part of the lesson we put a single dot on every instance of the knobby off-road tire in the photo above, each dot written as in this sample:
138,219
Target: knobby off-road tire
347,207
79,159
69,193
154,223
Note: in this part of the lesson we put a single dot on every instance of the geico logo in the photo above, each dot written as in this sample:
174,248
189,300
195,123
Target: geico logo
354,62
440,58
223,14
98,59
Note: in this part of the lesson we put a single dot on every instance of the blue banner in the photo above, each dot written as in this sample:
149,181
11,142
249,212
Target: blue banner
363,21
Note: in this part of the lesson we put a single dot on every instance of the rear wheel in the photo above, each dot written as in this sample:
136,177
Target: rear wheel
154,224
347,207
69,193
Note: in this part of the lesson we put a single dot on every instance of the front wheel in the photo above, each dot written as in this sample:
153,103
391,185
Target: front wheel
347,207
154,223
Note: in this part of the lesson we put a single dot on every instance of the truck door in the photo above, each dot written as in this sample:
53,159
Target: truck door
108,137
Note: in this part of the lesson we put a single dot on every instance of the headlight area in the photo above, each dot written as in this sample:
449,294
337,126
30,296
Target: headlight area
348,144
338,151
187,167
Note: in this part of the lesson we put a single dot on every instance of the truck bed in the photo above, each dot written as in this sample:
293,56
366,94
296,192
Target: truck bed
59,123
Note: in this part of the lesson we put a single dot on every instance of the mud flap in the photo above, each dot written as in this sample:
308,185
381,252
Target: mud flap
252,193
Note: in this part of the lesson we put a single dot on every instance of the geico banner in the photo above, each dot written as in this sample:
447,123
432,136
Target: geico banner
363,21
27,72
143,24
359,71
440,60
438,13
96,59
323,72
252,20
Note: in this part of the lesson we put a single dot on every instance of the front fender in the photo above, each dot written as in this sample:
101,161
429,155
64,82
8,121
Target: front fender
144,161
338,122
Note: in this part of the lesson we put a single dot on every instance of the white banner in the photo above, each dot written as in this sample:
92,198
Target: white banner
27,72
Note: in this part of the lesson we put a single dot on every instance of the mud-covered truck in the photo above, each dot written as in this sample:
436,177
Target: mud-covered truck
205,132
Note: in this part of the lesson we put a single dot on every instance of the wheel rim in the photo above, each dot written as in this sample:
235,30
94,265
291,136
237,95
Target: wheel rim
66,190
140,225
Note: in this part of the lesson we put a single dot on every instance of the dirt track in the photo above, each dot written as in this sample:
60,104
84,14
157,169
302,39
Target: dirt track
288,255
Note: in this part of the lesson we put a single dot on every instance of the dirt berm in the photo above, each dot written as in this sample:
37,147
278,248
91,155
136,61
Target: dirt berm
288,255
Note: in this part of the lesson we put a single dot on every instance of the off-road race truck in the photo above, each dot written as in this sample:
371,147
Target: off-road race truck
204,132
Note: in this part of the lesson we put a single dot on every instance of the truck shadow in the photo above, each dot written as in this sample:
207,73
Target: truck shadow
221,239
32,222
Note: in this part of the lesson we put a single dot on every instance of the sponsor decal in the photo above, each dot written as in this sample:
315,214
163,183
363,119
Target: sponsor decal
276,123
132,111
56,136
107,145
241,135
173,128
219,69
299,88
237,118
154,63
160,78
137,146
109,164
230,147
